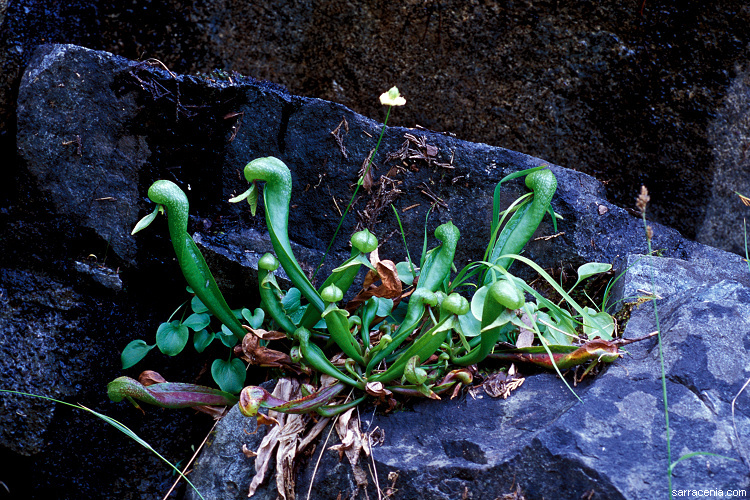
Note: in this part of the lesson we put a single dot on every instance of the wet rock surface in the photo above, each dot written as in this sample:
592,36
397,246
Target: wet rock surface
200,132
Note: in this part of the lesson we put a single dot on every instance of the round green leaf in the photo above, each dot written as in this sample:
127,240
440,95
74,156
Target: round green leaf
469,325
203,339
385,306
134,352
598,324
291,301
405,273
229,375
197,322
197,306
171,338
227,337
255,320
477,302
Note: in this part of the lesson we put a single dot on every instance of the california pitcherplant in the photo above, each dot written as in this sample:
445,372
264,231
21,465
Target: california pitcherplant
384,344
409,329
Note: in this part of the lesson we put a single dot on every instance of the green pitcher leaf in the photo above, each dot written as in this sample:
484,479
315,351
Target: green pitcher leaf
229,375
134,352
171,338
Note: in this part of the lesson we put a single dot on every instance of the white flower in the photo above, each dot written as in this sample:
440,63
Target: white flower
392,98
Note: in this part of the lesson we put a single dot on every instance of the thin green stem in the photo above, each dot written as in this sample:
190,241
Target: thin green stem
747,258
661,354
114,423
354,195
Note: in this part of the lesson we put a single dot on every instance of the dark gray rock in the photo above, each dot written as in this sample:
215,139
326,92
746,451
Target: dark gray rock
200,132
102,196
622,93
724,225
610,446
98,188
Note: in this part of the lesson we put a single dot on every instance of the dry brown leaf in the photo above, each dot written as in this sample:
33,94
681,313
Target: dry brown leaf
377,389
501,384
352,444
526,335
255,354
264,334
150,377
248,452
284,390
390,285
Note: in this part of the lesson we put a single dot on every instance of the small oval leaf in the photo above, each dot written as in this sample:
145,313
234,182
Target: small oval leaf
592,268
171,338
255,320
598,324
134,352
197,322
227,337
197,305
229,375
203,339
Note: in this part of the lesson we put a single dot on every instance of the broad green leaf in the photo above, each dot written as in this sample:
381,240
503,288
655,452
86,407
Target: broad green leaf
197,306
551,331
477,302
229,375
405,273
590,269
171,338
469,325
197,322
598,324
227,337
203,339
385,306
291,301
255,320
134,352
357,260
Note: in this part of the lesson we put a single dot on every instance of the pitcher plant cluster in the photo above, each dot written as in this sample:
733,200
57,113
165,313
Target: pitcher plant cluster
408,328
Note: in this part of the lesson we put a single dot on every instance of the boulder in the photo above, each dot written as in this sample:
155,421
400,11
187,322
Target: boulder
95,130
624,92
541,440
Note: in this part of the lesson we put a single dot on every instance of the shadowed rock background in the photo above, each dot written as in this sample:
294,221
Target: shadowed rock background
654,97
624,91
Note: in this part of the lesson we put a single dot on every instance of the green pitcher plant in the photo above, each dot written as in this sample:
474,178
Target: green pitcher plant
409,328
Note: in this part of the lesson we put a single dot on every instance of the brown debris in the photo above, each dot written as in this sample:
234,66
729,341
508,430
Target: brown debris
501,384
336,133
